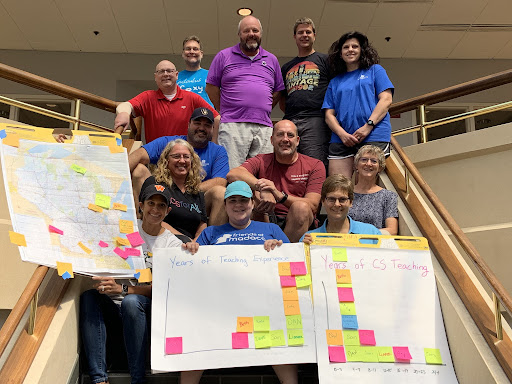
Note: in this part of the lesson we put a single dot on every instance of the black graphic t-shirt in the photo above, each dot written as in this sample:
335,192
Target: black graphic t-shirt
187,211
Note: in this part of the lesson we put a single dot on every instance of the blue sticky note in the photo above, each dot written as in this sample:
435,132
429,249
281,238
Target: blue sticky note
119,141
66,275
3,134
349,322
137,275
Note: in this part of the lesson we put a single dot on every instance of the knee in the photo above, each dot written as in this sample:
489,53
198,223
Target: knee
300,212
140,173
89,297
132,305
215,194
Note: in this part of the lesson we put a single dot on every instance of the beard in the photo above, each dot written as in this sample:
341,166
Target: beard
252,46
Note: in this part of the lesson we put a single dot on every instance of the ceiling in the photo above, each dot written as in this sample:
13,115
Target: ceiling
436,29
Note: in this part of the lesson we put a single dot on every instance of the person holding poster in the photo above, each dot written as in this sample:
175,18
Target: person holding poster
240,229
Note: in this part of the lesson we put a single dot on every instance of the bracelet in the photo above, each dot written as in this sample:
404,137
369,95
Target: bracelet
285,196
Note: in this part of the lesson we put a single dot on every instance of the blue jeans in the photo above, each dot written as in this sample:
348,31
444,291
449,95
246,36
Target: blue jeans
99,317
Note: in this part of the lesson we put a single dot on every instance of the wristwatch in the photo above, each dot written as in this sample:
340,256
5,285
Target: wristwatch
370,123
285,196
125,290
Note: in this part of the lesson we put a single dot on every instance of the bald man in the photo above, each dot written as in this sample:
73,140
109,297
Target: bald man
167,110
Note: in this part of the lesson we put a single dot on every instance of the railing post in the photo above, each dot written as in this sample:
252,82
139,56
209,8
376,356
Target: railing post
76,113
407,181
33,314
497,317
423,120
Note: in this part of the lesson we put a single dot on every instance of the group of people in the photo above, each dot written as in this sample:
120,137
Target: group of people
214,168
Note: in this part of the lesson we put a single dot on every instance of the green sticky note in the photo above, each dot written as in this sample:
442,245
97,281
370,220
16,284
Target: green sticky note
369,354
433,356
348,308
78,169
303,281
295,337
344,285
261,324
353,353
294,322
385,354
262,340
339,254
102,201
351,337
277,338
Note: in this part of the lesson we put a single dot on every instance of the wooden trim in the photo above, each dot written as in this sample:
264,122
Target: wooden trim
470,295
21,357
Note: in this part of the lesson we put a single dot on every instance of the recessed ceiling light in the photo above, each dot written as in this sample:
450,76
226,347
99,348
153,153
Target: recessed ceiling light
51,105
244,11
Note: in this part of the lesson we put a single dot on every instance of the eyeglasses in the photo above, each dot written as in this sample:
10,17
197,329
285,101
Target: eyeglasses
364,160
178,156
333,200
169,71
195,49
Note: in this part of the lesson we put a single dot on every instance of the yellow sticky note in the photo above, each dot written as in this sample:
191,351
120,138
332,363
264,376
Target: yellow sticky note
432,356
78,169
291,308
94,208
12,139
339,254
102,201
62,268
120,207
344,285
294,322
125,226
369,354
303,281
277,338
85,249
295,337
261,324
351,337
262,340
343,276
17,238
353,353
121,241
244,324
334,336
385,355
114,148
347,308
284,269
144,275
290,293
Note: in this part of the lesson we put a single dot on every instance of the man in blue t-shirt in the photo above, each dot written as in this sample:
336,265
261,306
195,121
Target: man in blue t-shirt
214,160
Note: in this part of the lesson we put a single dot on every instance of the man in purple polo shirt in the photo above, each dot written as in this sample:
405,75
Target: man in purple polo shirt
244,83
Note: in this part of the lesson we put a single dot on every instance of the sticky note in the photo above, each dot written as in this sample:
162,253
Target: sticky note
402,353
369,354
119,141
53,229
298,268
119,252
353,353
290,293
295,337
261,324
303,281
344,285
366,337
84,248
239,340
3,134
347,308
63,268
78,169
345,294
115,149
102,201
284,268
334,336
131,252
122,241
137,275
294,322
244,324
173,345
262,340
120,207
343,276
287,281
125,226
94,208
291,307
17,238
349,322
102,244
277,338
385,355
350,337
66,275
145,275
11,139
135,239
432,356
339,254
337,354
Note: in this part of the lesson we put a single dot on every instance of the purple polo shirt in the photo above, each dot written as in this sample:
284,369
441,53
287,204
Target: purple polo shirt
246,85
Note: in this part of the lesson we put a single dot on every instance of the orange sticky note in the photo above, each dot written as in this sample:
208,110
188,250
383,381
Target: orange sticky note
290,293
120,207
17,238
343,276
143,275
85,249
63,268
95,208
244,324
125,226
284,269
291,307
121,241
12,139
334,337
115,148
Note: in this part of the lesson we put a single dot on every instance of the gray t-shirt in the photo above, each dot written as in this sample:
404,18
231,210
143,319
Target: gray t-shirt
374,208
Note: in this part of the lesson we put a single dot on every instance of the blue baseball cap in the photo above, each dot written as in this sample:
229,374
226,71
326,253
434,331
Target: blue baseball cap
238,188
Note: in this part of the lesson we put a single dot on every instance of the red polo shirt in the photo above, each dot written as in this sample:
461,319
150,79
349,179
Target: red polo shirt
167,118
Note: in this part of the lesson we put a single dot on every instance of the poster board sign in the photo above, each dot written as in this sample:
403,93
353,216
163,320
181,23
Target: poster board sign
225,307
377,313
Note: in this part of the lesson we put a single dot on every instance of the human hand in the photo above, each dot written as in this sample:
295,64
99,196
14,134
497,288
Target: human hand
60,137
308,239
349,140
271,244
107,285
266,185
266,202
362,132
121,122
191,247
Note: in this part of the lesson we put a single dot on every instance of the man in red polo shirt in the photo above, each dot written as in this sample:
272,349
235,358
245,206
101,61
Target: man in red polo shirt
166,111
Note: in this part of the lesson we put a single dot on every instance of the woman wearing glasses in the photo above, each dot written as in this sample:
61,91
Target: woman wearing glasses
373,204
180,168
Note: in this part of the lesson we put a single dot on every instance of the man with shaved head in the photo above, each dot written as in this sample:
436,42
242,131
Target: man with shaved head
244,83
166,111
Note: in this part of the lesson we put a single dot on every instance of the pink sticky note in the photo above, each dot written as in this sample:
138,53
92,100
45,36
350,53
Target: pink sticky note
288,281
402,353
131,252
135,239
345,294
119,252
366,337
298,268
337,354
240,340
173,345
52,229
102,244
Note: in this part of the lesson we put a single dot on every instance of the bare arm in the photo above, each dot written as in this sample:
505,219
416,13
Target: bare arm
276,97
108,285
380,110
313,199
215,134
282,103
206,185
214,95
139,156
123,111
241,173
265,201
391,225
332,122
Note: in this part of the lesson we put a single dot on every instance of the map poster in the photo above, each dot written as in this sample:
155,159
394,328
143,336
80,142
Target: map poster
70,203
